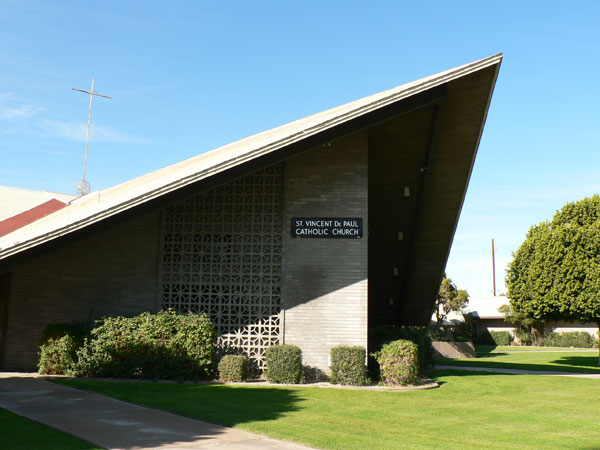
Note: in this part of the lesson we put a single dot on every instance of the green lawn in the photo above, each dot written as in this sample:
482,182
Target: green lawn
531,358
469,410
18,433
525,348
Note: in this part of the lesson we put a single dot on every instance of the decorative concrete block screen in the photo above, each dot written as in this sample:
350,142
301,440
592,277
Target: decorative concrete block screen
221,254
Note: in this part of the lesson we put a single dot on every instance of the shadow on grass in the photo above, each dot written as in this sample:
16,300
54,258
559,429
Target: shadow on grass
435,374
224,405
470,361
481,349
588,361
565,365
19,432
490,354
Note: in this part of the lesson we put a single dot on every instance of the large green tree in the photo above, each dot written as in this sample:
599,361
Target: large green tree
555,273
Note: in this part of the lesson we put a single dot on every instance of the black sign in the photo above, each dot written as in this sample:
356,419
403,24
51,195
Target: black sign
327,227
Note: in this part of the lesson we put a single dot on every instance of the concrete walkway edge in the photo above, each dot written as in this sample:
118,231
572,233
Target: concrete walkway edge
117,425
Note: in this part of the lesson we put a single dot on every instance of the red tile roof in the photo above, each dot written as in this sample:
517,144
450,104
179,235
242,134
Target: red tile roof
26,217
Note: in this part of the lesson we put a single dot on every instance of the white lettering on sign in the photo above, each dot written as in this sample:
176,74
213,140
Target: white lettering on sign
325,227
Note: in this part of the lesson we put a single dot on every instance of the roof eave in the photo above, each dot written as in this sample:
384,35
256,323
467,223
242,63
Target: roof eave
110,210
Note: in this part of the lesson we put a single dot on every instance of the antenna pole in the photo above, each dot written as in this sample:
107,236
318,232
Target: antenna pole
493,268
87,137
83,187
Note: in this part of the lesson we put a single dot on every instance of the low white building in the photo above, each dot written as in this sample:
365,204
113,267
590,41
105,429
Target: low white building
485,311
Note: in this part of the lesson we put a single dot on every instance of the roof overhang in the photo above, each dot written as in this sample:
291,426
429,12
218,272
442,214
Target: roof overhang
100,207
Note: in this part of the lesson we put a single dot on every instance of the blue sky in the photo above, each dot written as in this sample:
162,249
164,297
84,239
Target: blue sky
186,77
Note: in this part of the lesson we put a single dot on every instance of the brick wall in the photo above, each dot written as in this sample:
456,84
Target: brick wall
324,285
111,272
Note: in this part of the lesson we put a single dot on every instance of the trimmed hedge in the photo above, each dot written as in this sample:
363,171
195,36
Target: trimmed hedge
419,335
233,368
501,337
284,364
580,339
399,363
164,345
348,365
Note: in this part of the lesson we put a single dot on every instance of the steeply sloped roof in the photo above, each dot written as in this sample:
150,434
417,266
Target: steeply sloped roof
99,206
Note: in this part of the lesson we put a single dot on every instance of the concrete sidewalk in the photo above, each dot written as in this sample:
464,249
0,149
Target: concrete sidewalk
522,372
114,424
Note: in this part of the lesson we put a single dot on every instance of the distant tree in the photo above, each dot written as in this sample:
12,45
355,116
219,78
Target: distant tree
555,273
449,299
524,323
518,318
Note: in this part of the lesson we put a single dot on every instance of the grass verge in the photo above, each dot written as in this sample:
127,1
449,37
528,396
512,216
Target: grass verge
582,361
469,410
526,348
19,433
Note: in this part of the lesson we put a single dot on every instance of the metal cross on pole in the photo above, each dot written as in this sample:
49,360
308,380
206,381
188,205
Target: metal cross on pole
83,187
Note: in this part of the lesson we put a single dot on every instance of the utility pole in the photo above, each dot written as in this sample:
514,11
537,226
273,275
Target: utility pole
83,187
493,268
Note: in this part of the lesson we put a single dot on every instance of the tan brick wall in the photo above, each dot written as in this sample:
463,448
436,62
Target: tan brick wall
324,286
111,272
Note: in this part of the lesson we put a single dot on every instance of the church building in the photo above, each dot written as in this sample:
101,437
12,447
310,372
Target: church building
309,234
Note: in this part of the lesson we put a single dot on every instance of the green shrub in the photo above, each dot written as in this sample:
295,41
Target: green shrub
580,339
483,337
440,334
78,330
58,356
465,331
501,337
348,365
419,335
58,347
284,364
164,345
399,362
524,336
233,368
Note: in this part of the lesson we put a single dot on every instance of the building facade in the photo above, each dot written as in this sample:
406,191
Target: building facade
308,234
